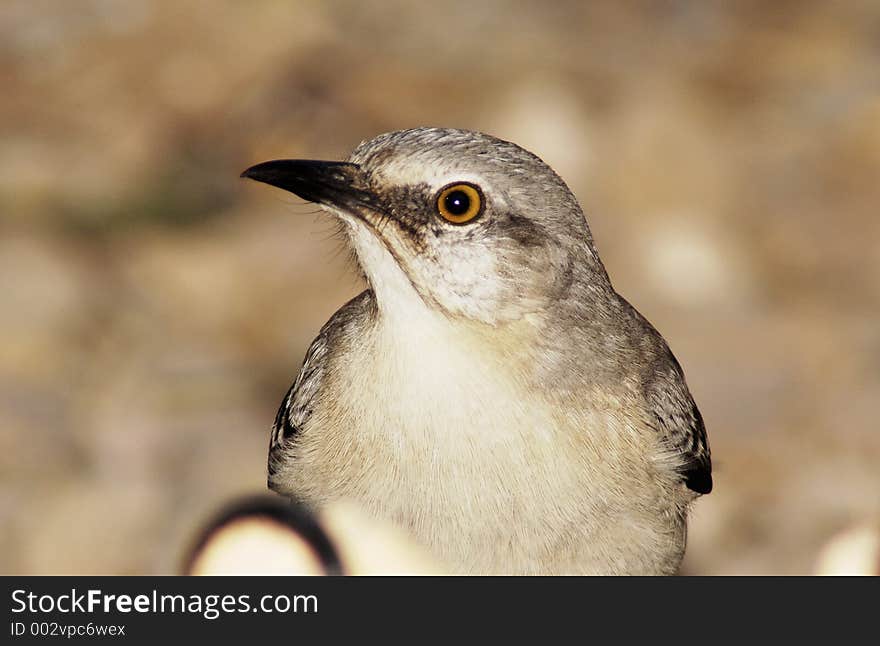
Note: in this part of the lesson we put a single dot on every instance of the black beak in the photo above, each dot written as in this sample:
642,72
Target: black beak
339,184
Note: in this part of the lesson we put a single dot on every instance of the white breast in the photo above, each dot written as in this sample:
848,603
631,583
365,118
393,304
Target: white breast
436,427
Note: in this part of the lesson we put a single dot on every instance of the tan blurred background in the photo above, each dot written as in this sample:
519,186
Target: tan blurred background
155,308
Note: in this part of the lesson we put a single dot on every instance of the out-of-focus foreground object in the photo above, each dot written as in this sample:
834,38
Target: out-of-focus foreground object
855,551
269,535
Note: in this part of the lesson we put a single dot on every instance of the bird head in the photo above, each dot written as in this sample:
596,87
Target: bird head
456,221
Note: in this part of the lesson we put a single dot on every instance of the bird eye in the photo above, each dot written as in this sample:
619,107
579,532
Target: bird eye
460,203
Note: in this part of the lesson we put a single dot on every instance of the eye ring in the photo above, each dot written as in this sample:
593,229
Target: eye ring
460,203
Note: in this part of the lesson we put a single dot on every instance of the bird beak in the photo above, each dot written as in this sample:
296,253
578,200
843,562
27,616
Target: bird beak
336,184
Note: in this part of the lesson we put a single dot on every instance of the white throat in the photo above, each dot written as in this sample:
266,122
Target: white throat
396,297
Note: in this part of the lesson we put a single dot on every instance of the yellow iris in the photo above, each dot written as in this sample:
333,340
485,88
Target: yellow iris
459,203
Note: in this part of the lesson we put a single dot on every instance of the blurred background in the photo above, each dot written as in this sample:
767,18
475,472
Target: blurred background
155,308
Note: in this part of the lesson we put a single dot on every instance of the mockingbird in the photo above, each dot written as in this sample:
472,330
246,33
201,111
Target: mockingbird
490,392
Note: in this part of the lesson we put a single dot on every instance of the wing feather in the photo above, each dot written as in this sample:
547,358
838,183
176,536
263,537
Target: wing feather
298,404
677,418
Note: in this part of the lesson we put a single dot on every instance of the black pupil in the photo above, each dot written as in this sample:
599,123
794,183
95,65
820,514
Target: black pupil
457,202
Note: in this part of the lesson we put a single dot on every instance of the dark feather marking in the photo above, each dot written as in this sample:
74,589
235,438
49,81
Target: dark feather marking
282,419
679,421
297,405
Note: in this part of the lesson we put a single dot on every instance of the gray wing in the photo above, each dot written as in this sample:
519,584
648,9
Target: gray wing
677,418
671,410
295,408
297,405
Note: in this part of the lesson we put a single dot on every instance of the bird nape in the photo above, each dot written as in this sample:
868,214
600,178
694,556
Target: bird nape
490,392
